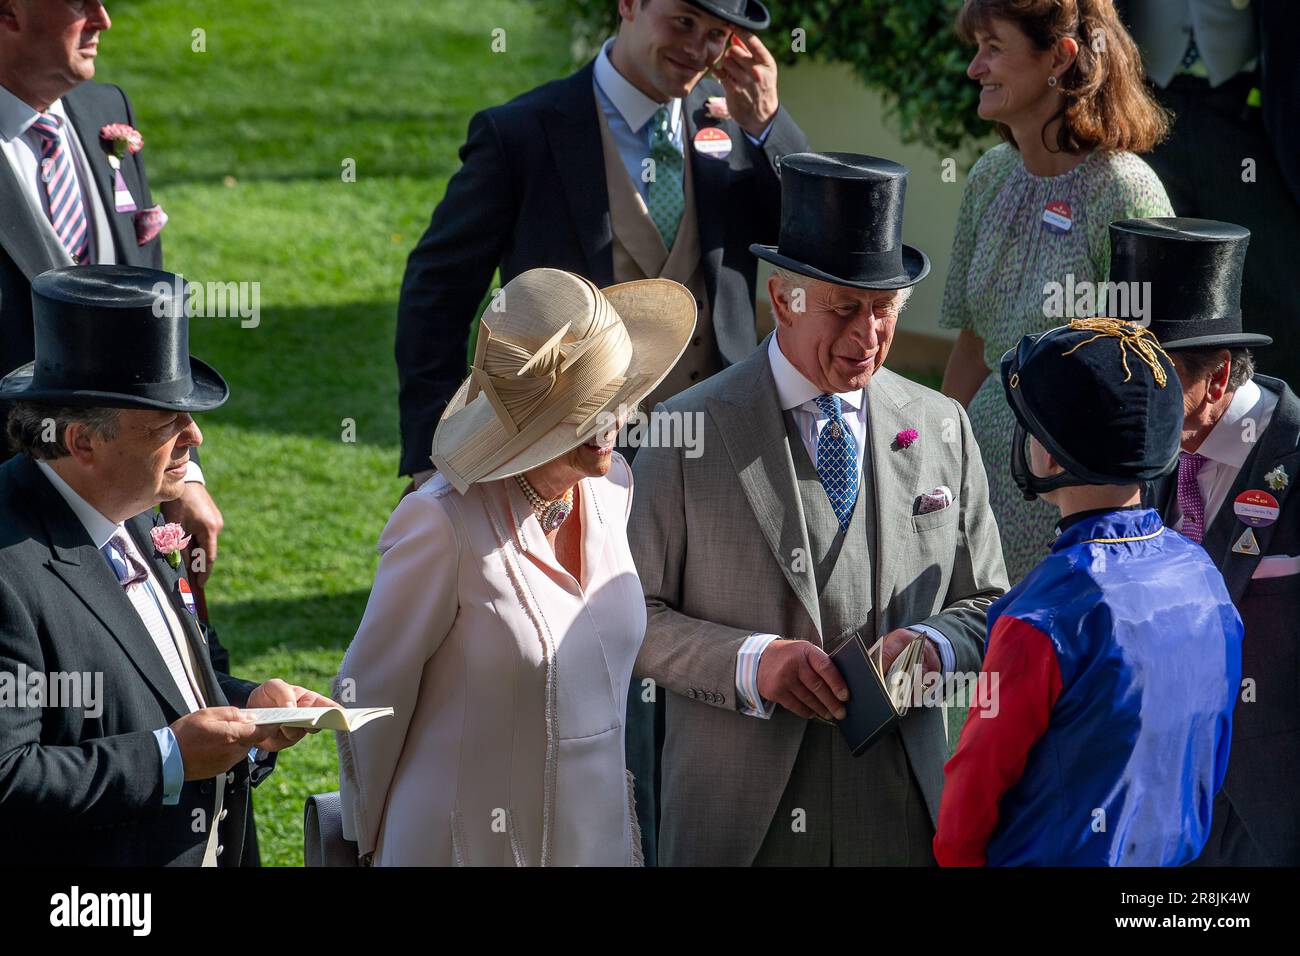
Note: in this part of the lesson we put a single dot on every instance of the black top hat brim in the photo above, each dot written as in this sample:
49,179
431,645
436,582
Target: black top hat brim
916,266
755,16
1236,340
210,391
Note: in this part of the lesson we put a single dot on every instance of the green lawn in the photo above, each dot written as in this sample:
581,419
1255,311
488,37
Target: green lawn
245,145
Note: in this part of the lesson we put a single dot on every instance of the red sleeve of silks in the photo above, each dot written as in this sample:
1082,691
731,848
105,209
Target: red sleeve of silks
1023,680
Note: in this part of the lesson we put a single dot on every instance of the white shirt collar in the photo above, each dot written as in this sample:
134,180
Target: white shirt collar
97,526
634,106
16,116
792,389
1225,443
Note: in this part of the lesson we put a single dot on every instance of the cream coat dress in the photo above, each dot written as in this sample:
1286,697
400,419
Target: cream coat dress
508,679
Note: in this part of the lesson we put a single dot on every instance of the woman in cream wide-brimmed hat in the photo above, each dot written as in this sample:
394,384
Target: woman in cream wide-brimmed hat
506,614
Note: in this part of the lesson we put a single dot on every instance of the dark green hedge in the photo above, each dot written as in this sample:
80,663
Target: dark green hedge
904,49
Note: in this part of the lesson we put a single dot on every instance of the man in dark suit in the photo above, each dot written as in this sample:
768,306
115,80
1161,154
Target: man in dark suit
1228,71
1232,493
541,174
66,194
119,742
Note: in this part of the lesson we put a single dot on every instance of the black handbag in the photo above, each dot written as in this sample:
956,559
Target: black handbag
322,830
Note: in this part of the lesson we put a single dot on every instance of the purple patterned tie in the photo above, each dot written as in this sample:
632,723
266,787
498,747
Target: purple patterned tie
1190,502
124,563
62,191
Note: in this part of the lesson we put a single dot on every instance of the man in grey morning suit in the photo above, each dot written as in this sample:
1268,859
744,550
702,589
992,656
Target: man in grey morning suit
808,513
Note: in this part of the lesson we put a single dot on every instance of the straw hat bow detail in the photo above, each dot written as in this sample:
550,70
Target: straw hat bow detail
550,359
518,381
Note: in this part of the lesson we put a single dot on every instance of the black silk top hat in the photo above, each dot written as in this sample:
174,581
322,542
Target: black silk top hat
842,222
1101,396
1194,267
113,337
750,14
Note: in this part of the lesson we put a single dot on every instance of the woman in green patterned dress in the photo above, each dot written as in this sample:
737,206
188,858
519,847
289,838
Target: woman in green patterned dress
1063,82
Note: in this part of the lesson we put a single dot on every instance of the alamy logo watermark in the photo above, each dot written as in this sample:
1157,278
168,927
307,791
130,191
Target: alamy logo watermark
657,429
212,300
74,908
975,689
1085,299
74,690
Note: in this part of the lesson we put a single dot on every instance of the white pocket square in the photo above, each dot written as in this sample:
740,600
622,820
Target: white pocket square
932,501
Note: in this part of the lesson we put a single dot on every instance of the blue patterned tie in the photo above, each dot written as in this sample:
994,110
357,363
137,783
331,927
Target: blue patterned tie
837,460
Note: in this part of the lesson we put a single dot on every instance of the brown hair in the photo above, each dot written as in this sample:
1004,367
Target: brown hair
1105,102
30,424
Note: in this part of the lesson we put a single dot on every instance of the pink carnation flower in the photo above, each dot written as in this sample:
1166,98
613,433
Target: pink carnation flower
716,108
169,539
906,437
124,137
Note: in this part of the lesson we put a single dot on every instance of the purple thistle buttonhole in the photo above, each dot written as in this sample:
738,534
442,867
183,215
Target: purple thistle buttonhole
906,437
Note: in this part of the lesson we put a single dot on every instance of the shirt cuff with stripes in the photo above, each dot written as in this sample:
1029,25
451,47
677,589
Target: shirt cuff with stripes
947,656
751,702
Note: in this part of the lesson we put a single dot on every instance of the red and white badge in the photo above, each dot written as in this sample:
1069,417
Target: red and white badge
1257,508
186,595
1057,217
713,142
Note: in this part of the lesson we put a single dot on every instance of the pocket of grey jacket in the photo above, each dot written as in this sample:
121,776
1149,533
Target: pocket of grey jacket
936,519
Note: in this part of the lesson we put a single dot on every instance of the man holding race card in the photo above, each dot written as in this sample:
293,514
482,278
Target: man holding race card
155,770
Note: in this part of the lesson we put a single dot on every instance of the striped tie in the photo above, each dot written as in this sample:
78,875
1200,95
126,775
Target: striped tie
62,191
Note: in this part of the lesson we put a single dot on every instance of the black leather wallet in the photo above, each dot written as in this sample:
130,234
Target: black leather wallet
869,711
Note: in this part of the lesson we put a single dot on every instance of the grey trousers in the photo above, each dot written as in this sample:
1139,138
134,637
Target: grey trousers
841,810
643,738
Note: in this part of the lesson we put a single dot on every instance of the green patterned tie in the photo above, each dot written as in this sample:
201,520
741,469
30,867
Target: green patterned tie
664,195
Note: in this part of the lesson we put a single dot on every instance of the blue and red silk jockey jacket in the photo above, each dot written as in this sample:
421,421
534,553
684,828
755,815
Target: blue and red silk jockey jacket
1113,668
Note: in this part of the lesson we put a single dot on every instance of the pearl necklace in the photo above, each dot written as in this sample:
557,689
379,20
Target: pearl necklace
550,514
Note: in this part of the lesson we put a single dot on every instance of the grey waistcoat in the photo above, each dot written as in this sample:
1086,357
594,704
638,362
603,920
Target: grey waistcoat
841,563
1225,35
